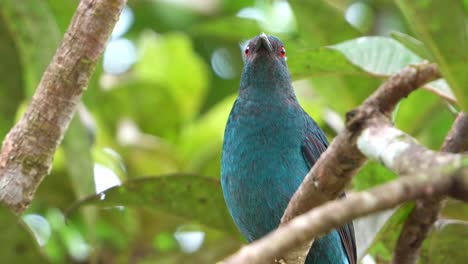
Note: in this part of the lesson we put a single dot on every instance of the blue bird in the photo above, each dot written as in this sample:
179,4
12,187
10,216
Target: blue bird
270,143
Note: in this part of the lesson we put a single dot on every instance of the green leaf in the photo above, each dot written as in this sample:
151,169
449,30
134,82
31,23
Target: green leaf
319,24
371,175
416,46
442,27
455,209
321,61
377,55
222,28
63,12
181,72
36,34
206,131
164,241
77,145
352,90
446,244
442,89
77,149
384,243
342,64
381,56
346,73
193,197
430,123
18,243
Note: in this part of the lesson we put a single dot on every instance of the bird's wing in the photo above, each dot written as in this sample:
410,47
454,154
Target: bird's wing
314,145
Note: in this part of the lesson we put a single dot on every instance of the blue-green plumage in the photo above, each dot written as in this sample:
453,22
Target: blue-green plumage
270,143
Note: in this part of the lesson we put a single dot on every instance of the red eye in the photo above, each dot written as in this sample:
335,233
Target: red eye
282,52
247,50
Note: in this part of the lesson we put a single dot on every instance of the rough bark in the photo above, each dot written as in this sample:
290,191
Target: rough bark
425,213
29,147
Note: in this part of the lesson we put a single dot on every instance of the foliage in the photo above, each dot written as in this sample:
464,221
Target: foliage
164,116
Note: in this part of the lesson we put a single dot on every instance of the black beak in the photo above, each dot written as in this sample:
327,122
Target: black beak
263,41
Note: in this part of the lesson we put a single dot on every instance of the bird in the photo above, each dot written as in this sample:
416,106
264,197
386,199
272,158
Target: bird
270,143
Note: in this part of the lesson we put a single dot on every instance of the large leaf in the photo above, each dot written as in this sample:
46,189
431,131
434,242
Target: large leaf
364,56
416,46
383,56
36,34
344,68
206,131
430,123
352,90
193,197
222,28
371,175
446,244
181,72
442,27
377,55
315,27
321,61
18,243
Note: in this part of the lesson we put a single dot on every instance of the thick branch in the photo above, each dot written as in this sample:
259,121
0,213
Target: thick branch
423,216
342,159
29,147
457,139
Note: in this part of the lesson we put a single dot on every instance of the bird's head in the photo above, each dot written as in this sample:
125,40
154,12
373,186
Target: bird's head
264,47
265,64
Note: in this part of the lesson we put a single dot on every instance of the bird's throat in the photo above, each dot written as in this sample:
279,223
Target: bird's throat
262,80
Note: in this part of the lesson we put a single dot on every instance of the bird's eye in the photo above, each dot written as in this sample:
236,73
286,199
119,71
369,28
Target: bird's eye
282,52
247,50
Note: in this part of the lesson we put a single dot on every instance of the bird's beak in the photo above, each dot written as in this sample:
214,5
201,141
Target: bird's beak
263,41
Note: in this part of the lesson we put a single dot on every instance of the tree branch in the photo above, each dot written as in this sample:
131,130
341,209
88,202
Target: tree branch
335,168
426,212
29,147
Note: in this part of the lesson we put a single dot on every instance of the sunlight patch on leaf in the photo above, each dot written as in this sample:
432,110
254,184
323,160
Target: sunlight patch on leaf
443,28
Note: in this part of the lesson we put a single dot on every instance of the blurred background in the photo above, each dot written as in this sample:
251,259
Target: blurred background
153,115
